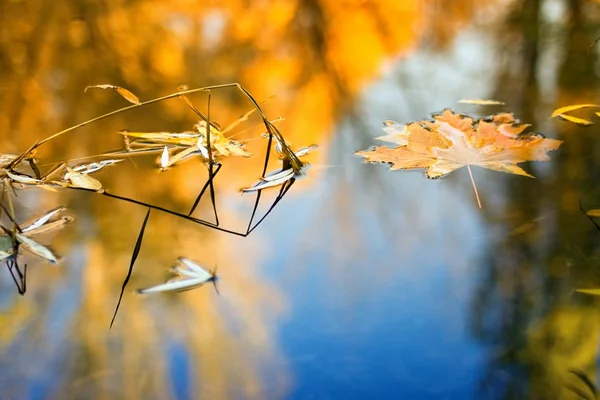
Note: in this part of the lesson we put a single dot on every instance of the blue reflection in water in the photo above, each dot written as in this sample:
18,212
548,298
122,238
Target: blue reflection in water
380,277
178,359
382,322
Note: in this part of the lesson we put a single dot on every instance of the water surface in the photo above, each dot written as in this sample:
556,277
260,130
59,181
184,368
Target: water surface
362,283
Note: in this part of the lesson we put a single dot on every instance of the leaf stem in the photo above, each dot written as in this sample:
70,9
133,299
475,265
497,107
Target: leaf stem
474,186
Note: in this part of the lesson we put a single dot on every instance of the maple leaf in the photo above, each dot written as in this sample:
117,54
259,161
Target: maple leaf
451,141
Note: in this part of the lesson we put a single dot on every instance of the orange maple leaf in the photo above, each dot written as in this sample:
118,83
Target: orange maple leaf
451,141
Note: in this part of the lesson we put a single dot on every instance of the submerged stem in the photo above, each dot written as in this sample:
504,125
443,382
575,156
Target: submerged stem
474,186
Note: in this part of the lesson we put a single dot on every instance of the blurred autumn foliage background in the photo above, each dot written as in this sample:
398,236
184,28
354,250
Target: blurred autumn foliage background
316,57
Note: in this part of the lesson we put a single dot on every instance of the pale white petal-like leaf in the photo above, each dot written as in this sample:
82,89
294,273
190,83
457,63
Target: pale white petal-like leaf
22,178
93,167
5,254
184,272
38,222
192,275
203,150
276,175
196,268
272,181
180,156
36,248
305,150
164,159
175,286
50,226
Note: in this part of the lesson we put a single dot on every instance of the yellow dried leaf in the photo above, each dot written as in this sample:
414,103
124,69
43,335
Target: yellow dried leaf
47,188
57,170
482,102
126,94
566,109
595,292
237,122
136,152
594,213
171,137
228,148
579,121
178,157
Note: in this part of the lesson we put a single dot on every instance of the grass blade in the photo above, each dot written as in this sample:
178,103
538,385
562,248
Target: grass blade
210,163
34,168
208,182
588,216
284,189
264,171
136,251
211,173
586,381
171,212
580,393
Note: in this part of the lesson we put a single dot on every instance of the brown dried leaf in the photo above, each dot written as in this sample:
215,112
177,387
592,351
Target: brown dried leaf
126,94
82,181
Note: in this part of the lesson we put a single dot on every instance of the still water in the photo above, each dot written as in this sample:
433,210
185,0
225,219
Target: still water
362,283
